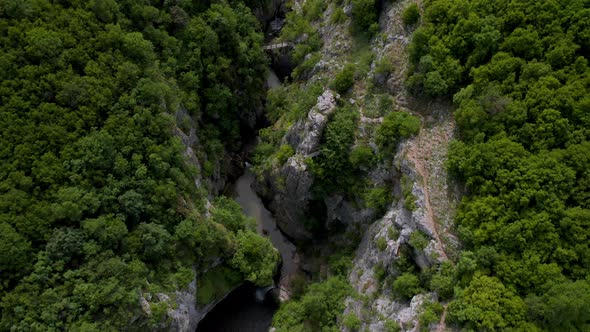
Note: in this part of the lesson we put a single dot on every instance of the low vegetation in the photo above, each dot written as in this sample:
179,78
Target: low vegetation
395,127
319,309
411,15
344,79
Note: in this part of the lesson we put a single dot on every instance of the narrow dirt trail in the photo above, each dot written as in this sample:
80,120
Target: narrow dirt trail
443,317
421,152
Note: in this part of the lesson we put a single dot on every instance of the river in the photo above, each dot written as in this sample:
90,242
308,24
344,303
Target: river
253,207
249,309
245,310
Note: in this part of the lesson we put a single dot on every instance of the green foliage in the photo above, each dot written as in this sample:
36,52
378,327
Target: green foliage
396,126
352,322
519,74
344,79
381,243
392,326
306,66
392,233
216,283
409,199
406,286
380,272
285,105
97,202
318,309
338,16
411,14
419,240
431,312
378,199
332,169
15,252
299,28
486,304
313,9
444,280
284,153
364,57
255,257
340,264
362,156
364,13
564,307
228,213
378,105
291,102
383,66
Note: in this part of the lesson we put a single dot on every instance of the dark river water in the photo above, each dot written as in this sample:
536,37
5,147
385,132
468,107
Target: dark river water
247,309
253,207
239,312
250,309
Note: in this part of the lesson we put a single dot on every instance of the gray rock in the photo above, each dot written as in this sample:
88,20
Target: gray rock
186,316
291,203
276,25
348,9
145,306
291,184
163,297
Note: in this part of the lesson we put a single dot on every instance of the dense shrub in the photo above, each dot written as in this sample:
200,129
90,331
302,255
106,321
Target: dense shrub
431,312
409,199
411,14
332,169
396,126
486,304
344,79
419,240
255,258
318,309
352,322
381,243
378,199
362,156
364,13
406,286
284,153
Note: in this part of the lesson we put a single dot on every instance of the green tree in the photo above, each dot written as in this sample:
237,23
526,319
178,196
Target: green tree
15,252
255,257
319,309
406,286
487,305
563,307
344,79
332,168
364,13
396,126
411,14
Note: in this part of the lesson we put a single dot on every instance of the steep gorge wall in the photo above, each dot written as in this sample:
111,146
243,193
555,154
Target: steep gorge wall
421,159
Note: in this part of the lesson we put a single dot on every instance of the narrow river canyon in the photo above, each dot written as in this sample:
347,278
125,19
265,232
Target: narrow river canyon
249,308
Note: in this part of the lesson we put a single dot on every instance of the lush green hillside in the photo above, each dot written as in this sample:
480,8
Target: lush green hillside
518,73
97,204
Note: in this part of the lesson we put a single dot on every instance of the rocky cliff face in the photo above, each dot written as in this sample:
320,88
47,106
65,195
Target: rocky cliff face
422,160
419,160
290,186
183,313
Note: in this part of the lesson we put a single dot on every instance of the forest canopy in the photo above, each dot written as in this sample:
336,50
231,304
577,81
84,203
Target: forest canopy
518,73
97,202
